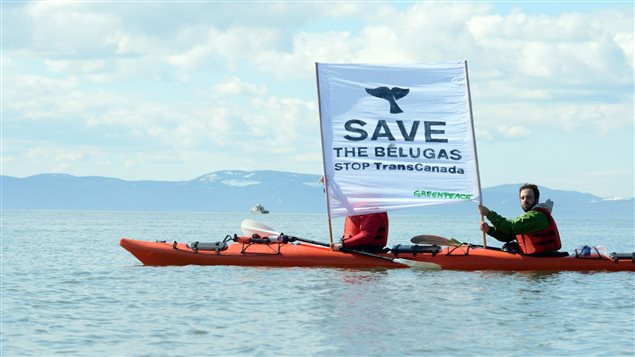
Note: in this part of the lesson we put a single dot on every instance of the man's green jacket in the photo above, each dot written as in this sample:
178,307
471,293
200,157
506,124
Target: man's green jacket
505,230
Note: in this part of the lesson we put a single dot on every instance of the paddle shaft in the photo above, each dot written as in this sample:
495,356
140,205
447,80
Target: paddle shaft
346,250
250,227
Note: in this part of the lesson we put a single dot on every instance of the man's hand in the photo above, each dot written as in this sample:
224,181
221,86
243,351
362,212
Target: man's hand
484,227
336,246
484,211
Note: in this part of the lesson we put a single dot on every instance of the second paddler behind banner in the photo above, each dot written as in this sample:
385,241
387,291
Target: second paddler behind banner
365,232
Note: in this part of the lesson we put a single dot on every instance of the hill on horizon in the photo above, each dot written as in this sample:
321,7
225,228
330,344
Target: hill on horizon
238,191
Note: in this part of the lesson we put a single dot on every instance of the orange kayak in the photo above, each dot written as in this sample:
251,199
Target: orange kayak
285,254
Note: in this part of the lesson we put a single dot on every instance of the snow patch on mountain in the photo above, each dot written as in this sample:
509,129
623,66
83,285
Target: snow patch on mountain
240,183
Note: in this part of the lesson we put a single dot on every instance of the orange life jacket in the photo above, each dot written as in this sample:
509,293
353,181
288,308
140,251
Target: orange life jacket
541,241
366,230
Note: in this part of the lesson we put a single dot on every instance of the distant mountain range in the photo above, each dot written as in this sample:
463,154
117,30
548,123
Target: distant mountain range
238,191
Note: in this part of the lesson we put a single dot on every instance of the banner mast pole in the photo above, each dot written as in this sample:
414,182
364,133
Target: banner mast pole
325,181
478,174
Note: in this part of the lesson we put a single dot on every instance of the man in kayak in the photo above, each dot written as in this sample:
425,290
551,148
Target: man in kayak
365,232
533,233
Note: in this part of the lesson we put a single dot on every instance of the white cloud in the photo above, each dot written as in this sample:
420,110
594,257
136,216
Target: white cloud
235,86
69,28
625,41
518,119
569,48
483,135
29,85
193,58
284,122
513,131
419,34
263,125
55,158
604,117
308,48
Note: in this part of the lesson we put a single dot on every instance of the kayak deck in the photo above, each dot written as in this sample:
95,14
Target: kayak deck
284,254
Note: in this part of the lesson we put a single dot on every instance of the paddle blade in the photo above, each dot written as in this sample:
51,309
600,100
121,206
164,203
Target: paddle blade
434,240
417,265
251,227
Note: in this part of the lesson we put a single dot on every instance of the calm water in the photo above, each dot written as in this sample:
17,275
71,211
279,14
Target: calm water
69,289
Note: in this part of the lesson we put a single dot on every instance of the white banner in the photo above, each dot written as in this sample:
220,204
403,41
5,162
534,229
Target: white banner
396,136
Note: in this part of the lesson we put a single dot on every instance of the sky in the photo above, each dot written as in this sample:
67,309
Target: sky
174,90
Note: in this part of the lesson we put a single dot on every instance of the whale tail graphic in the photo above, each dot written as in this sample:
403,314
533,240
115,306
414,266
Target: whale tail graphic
391,95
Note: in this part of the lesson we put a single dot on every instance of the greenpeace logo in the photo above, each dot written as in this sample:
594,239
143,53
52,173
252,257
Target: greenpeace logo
442,195
391,95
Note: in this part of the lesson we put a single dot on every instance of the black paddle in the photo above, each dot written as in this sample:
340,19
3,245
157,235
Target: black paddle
251,227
